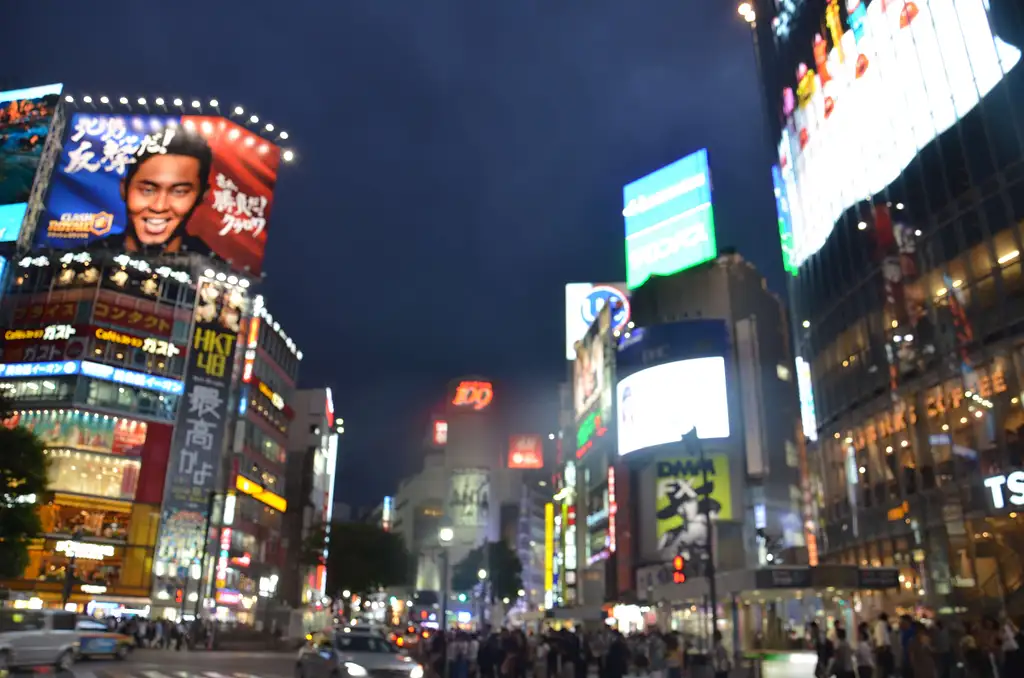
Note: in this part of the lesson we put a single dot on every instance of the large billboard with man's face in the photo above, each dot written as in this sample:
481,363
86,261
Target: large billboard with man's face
157,183
25,117
670,226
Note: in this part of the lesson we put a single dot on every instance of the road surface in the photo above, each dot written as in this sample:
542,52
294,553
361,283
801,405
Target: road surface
145,663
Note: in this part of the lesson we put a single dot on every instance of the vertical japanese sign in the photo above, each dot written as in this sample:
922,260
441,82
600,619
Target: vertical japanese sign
201,427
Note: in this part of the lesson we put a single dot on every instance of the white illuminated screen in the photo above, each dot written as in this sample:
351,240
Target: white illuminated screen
658,405
924,72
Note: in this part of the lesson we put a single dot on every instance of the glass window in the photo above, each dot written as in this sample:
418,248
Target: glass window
93,474
349,642
66,520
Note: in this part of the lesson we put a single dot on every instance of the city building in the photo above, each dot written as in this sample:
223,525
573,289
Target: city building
123,321
905,255
312,461
252,546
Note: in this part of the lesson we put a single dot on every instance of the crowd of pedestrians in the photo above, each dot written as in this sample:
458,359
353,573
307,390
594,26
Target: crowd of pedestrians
163,634
566,654
914,649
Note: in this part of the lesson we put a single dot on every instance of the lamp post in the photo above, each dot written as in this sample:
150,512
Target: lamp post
746,10
445,535
481,574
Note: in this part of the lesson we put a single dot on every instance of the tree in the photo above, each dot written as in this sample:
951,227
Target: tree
312,546
504,570
364,557
22,482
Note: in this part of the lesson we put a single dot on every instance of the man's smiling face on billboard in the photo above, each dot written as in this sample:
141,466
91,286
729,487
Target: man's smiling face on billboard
161,195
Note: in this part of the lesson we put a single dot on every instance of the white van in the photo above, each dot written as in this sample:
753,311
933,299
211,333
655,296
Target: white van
37,638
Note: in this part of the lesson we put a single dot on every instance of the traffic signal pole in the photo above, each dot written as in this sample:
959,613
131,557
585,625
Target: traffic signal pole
692,441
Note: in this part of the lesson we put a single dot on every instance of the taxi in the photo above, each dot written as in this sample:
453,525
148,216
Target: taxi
96,640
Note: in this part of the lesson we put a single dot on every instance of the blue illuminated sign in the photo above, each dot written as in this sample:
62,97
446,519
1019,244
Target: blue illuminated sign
601,296
11,217
95,371
54,369
670,226
243,402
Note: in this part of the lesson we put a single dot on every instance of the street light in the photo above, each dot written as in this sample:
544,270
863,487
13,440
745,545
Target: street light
445,535
482,574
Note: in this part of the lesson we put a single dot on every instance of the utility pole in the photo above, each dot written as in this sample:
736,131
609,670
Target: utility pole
70,577
201,588
692,441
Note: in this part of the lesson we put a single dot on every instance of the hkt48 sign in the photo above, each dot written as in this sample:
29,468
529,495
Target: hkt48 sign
473,394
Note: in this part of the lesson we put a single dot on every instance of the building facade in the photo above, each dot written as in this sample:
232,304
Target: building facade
906,279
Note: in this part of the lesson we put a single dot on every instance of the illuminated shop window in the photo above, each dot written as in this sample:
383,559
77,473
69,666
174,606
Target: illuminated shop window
39,390
93,474
131,399
84,431
65,520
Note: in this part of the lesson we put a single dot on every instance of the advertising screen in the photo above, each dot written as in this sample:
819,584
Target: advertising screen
593,377
808,417
199,433
583,301
661,403
84,431
469,498
932,59
679,493
670,226
785,222
159,183
526,452
25,117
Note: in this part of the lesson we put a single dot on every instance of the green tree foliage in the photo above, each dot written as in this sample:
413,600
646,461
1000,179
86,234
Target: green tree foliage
504,570
22,483
363,558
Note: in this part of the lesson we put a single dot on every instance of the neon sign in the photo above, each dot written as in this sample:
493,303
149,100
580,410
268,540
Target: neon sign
440,432
613,508
473,394
590,428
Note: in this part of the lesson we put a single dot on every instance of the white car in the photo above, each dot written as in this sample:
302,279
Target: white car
354,654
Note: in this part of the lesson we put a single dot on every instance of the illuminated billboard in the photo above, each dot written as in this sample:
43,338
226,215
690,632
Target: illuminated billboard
469,498
25,117
670,225
932,59
679,493
583,301
526,452
160,183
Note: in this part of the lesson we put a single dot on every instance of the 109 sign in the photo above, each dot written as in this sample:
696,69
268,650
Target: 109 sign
601,296
473,394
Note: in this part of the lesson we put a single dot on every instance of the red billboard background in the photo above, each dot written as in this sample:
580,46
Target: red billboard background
526,452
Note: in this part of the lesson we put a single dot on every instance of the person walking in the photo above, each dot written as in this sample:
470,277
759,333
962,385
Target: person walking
842,664
864,653
882,641
720,662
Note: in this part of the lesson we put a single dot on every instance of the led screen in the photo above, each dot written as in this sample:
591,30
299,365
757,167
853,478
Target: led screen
929,61
159,183
583,301
669,222
661,403
25,117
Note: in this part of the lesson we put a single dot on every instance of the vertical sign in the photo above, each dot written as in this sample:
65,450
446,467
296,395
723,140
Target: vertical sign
201,426
549,550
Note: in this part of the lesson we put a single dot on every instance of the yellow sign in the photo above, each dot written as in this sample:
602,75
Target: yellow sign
257,492
213,350
679,491
549,547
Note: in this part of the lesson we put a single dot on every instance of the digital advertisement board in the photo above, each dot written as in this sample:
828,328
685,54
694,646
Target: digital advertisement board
670,225
161,183
672,379
679,494
202,423
583,301
936,58
593,374
469,498
526,451
25,118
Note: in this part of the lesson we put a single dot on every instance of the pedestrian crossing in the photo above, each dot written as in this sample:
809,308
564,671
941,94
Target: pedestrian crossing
83,671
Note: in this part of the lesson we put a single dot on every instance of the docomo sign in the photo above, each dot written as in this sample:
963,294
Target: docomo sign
1014,483
473,394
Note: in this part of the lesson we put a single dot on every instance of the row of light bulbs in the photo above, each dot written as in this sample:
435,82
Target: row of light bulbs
254,119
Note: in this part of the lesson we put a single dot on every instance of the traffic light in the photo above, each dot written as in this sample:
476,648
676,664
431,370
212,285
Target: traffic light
179,595
678,565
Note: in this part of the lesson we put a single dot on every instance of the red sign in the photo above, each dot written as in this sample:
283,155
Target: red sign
473,394
45,314
440,432
125,316
525,451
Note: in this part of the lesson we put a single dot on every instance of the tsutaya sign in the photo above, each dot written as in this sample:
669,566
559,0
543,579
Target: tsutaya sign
473,394
1011,484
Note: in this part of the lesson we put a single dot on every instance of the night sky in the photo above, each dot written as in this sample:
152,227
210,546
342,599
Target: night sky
459,161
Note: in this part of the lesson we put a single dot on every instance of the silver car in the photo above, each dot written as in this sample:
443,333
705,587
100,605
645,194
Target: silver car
37,638
351,654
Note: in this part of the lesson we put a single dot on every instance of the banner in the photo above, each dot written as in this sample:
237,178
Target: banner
199,434
161,183
681,497
469,501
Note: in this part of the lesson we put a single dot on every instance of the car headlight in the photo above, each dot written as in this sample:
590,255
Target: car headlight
417,672
355,670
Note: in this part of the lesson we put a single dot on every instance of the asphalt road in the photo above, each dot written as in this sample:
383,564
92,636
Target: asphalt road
170,664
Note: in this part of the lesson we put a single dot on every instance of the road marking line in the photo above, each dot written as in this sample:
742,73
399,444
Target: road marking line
83,674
